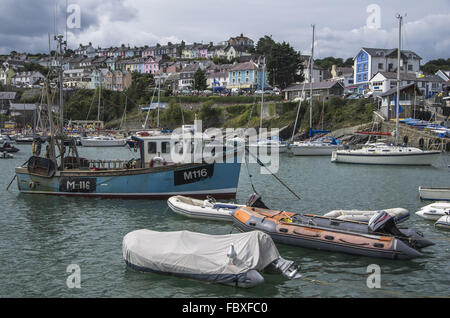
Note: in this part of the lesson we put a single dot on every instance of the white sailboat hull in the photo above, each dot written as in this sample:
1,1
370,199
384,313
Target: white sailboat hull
412,159
103,143
435,194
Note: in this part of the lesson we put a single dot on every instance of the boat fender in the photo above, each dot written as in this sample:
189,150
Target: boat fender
157,159
32,184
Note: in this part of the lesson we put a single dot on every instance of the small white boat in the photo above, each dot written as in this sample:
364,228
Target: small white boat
7,139
270,145
443,222
320,147
434,211
435,194
103,141
398,214
203,209
386,155
5,155
234,259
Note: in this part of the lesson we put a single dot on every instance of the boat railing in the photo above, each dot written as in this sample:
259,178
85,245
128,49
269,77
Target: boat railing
108,164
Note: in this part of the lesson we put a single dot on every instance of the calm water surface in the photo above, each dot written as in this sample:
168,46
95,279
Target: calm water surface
41,235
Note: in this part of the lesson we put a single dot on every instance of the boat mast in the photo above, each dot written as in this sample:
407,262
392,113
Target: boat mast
262,97
60,79
311,67
159,98
99,98
399,17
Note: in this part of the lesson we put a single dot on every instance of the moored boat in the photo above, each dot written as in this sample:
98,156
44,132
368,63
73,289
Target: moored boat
5,155
434,211
269,146
443,222
435,194
380,238
398,214
203,209
103,141
7,147
320,147
235,259
386,155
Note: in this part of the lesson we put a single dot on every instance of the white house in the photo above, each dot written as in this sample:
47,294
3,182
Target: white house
429,85
318,75
27,78
86,50
343,74
217,79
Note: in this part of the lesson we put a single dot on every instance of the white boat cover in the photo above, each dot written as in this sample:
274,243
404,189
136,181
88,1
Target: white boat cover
198,255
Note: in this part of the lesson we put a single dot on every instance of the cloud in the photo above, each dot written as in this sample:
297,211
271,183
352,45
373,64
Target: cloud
427,37
340,29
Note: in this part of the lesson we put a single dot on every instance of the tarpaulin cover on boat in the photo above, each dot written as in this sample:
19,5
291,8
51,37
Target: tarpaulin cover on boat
201,255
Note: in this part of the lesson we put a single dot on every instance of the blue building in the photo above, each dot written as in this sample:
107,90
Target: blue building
247,76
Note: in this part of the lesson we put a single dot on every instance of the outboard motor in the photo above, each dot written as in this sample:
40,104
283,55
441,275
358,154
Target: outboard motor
384,223
254,200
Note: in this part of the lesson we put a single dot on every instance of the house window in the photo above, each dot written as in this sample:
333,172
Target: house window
410,67
380,66
365,77
365,67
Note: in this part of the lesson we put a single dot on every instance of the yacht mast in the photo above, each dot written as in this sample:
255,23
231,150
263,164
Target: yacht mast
159,98
311,67
262,97
99,98
399,17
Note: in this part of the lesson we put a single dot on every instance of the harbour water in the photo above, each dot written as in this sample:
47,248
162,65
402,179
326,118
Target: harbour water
41,236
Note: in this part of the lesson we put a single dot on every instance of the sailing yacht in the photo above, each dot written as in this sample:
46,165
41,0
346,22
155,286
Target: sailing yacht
269,144
388,154
322,146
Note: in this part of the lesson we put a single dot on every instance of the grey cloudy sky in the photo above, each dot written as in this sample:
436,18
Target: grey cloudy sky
341,26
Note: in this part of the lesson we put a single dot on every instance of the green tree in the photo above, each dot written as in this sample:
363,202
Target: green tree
431,67
200,80
172,117
265,45
210,115
284,66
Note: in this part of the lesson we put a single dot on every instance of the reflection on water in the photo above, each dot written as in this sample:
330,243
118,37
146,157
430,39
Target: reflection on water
42,235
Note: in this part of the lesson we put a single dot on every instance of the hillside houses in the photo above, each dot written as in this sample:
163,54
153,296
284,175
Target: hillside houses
88,66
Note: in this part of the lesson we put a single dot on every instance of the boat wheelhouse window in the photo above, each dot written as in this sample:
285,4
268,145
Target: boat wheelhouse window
178,147
165,147
152,147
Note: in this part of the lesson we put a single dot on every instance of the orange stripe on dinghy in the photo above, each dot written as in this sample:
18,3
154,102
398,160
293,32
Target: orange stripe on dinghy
242,216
